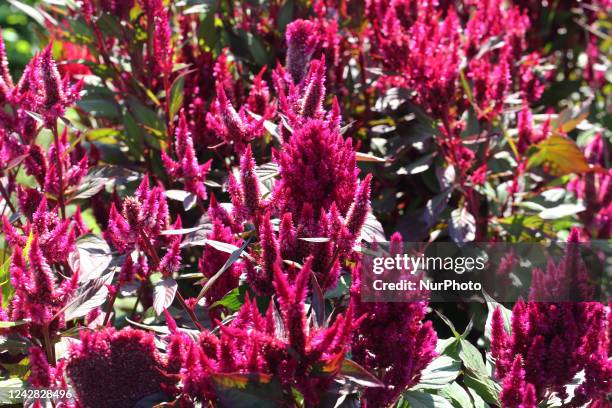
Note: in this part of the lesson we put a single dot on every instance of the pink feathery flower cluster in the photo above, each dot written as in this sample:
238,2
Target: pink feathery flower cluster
281,343
301,43
551,342
408,346
237,127
55,237
137,230
110,368
317,168
40,91
186,168
38,294
159,57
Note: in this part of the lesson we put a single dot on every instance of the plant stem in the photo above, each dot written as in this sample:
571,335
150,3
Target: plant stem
48,346
109,309
7,197
189,311
60,171
179,297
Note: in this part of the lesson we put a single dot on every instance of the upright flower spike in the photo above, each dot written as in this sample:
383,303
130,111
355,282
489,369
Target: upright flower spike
6,82
54,102
250,184
514,385
234,127
269,246
5,73
187,168
258,101
317,166
360,208
409,343
311,104
300,46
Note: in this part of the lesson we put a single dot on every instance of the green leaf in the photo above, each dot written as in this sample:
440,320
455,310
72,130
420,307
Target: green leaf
439,373
6,325
145,115
559,154
177,95
420,399
359,375
5,282
233,301
457,395
285,15
99,106
476,375
34,13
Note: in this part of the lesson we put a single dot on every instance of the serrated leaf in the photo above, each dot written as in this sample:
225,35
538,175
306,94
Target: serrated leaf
439,373
163,294
560,155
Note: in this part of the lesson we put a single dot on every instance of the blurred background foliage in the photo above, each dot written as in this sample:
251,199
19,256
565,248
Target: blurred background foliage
21,35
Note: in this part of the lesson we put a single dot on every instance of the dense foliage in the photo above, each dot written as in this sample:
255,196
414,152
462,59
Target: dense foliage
186,187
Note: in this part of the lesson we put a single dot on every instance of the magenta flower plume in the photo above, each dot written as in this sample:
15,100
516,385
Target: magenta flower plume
6,81
259,101
551,343
360,208
300,46
187,168
144,216
232,126
111,368
409,343
54,102
317,166
311,103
